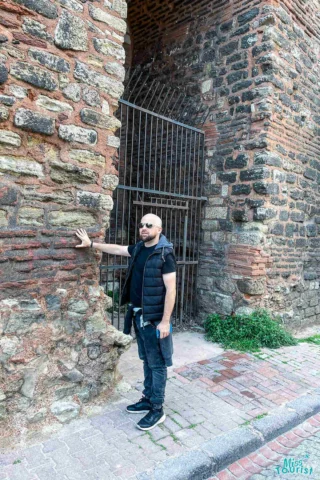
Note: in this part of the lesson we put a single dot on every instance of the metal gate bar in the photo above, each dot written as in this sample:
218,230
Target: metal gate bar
160,165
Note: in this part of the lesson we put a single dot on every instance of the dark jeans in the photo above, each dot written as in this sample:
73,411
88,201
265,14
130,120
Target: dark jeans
156,355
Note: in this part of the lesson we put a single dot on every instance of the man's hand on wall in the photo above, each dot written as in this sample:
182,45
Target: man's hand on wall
83,236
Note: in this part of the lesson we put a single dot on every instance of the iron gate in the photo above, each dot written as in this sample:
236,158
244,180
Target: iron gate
161,172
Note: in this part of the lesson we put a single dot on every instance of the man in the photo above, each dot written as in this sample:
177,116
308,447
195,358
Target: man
150,287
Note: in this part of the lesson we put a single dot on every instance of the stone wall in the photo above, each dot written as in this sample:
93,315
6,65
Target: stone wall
256,64
61,74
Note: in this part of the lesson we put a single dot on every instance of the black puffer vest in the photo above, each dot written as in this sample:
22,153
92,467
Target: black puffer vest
153,288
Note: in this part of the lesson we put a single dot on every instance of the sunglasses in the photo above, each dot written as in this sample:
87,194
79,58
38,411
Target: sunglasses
148,225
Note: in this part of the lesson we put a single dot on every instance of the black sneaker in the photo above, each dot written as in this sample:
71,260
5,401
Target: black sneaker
152,419
142,406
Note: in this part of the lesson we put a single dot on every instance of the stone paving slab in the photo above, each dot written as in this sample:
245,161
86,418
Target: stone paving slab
210,398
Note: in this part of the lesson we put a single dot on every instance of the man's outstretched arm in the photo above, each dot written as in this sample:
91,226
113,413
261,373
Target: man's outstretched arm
102,247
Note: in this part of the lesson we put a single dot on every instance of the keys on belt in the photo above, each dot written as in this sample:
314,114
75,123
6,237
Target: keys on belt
136,311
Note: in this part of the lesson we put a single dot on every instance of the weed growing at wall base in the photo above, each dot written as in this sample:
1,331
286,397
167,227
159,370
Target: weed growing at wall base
247,332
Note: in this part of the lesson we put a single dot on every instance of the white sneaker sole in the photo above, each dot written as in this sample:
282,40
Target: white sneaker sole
162,419
140,411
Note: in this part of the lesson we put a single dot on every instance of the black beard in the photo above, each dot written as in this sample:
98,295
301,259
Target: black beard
148,238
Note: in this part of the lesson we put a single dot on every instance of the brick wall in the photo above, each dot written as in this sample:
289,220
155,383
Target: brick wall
61,74
255,64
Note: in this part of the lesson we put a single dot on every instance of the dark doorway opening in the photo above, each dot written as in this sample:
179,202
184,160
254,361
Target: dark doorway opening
161,166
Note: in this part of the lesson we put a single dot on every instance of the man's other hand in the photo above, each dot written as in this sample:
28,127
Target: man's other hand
83,236
164,329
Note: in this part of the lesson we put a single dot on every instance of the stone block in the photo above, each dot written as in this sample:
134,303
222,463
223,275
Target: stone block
68,173
297,216
4,113
37,416
227,177
193,465
266,188
10,138
248,40
206,86
73,376
71,219
65,411
45,8
3,73
31,216
274,425
18,91
240,215
36,29
255,173
96,324
34,75
211,225
113,141
72,133
109,48
240,161
100,120
71,33
96,201
235,76
258,92
86,156
248,16
7,100
229,447
32,194
111,20
241,85
53,62
71,5
93,78
20,165
216,212
252,286
91,97
72,91
229,48
262,213
221,304
115,68
8,195
53,105
3,218
21,321
34,122
241,189
110,182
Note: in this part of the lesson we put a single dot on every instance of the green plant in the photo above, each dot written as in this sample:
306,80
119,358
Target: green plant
248,422
314,339
247,332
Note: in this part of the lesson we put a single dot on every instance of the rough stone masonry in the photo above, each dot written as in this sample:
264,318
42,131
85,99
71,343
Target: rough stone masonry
256,64
61,74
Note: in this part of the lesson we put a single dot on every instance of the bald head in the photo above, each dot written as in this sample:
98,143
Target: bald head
151,218
151,229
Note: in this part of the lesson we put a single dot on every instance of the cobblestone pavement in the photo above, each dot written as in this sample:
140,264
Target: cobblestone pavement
204,399
293,456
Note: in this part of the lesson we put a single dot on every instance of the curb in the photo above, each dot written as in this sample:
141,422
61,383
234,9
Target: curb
215,455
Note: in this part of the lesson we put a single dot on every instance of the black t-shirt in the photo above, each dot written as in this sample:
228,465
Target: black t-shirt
169,266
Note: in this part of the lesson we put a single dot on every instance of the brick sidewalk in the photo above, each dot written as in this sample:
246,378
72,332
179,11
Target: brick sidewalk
204,399
262,463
